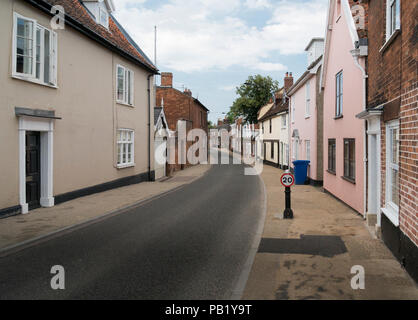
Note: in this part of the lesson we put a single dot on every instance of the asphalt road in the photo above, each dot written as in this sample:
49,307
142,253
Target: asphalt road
188,244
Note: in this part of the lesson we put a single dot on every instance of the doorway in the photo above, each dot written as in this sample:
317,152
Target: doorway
33,169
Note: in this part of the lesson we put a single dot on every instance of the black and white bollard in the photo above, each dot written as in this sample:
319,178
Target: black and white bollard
287,181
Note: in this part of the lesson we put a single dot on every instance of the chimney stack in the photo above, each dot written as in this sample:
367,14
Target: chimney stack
188,92
288,80
166,79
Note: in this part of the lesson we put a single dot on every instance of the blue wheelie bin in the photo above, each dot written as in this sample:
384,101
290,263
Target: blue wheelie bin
301,171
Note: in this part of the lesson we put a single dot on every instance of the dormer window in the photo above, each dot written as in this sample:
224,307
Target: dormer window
100,10
103,18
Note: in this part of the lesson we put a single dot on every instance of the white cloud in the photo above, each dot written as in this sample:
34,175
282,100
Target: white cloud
201,35
228,88
257,4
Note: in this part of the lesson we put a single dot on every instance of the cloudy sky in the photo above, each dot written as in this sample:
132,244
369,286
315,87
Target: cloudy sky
212,46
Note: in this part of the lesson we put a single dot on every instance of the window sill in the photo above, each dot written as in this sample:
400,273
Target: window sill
332,172
390,40
307,116
19,77
125,104
124,166
338,117
392,215
348,179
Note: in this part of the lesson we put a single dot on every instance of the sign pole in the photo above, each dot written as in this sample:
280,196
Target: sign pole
288,213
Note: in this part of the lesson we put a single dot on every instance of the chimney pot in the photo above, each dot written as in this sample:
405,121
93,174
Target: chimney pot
288,80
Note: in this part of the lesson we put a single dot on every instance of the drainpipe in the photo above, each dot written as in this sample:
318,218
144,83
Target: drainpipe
149,125
356,55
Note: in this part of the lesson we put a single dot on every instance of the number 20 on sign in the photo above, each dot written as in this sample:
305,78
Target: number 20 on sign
287,180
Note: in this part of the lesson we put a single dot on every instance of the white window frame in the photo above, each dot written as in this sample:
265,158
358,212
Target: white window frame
339,95
53,54
391,210
392,26
128,95
284,121
101,11
308,150
308,99
124,143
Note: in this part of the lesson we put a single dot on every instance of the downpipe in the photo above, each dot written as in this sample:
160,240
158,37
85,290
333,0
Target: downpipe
356,55
149,126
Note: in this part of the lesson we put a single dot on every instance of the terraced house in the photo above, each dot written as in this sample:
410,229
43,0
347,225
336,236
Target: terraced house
273,119
75,104
306,114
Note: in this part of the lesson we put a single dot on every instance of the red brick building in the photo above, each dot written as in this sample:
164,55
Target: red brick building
180,106
392,126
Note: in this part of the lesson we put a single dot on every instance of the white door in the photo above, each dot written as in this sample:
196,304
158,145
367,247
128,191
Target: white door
160,147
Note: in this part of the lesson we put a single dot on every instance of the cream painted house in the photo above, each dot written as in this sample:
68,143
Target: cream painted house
274,124
76,104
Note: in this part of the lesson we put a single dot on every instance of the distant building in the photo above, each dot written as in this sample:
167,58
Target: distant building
180,107
273,120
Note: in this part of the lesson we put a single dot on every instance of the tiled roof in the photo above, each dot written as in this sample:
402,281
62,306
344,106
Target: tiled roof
281,105
116,36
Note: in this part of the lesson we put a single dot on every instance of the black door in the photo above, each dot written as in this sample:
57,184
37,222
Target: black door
33,169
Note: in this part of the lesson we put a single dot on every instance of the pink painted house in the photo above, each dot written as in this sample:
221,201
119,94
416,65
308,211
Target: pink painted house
306,114
344,84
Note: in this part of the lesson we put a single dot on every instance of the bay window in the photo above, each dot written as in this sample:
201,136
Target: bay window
34,52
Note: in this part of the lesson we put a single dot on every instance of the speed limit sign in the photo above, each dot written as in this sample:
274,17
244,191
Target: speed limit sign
287,180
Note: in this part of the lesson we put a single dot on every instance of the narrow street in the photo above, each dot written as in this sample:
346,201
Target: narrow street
189,244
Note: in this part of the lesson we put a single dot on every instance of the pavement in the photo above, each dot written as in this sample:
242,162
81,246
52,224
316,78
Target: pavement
311,256
190,243
44,221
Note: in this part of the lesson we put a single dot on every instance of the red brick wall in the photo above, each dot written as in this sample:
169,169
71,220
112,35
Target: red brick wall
408,170
178,105
393,75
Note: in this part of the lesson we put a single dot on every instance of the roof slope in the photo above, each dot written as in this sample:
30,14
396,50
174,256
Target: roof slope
281,105
116,36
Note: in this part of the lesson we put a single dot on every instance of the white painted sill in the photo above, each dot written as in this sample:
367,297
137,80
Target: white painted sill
35,81
307,116
390,40
125,104
124,166
392,216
